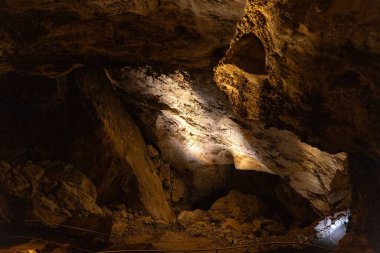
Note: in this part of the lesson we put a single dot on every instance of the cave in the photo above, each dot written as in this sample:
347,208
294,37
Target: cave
189,125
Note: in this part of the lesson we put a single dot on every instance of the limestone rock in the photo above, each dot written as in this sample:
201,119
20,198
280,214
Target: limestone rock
199,229
256,225
123,172
178,190
188,218
201,135
282,85
165,175
75,199
232,224
192,33
118,228
48,211
33,171
151,151
238,206
13,181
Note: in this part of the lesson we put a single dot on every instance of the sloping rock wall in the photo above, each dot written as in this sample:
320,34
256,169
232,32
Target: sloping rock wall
117,161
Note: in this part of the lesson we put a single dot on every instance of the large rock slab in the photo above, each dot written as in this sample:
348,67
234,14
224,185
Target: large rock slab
54,37
114,154
199,135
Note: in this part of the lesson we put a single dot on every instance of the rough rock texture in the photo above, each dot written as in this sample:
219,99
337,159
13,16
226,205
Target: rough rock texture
314,69
51,192
53,119
198,134
308,66
119,166
54,37
238,206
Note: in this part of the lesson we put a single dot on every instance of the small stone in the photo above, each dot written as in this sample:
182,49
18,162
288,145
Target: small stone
118,228
147,220
120,214
256,225
188,218
199,229
243,207
151,151
33,171
232,223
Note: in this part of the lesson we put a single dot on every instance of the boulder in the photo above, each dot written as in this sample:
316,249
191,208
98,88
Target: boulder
13,181
199,229
118,228
152,151
33,171
238,206
74,198
188,218
232,224
72,189
47,211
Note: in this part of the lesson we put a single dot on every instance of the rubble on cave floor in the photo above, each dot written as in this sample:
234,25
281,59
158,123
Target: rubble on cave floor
55,194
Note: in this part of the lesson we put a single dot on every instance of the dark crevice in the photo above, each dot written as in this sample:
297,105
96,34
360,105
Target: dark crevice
248,54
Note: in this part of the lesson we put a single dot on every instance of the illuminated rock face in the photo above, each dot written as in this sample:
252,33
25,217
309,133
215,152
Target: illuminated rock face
314,69
311,67
197,132
318,76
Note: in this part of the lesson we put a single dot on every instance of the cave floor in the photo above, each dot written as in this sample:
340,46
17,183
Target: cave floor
49,240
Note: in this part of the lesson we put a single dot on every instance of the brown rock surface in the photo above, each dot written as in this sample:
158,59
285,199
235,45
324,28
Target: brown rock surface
318,76
307,66
123,152
317,73
238,206
54,37
199,135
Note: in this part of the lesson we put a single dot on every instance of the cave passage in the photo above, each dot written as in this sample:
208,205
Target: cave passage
161,125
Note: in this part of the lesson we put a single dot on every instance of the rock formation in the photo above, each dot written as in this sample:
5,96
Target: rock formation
158,121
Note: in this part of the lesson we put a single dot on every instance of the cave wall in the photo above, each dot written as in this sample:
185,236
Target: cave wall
114,154
200,136
311,67
56,37
321,62
321,81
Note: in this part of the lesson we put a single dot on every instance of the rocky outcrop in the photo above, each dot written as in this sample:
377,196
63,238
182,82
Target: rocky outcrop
315,71
113,154
199,136
311,67
51,192
55,37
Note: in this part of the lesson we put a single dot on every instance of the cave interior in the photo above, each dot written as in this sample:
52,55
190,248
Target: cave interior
189,125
